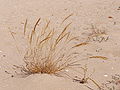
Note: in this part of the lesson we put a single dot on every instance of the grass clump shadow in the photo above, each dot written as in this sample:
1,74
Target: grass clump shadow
48,52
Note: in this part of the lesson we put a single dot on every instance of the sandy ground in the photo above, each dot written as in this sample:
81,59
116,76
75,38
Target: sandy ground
104,14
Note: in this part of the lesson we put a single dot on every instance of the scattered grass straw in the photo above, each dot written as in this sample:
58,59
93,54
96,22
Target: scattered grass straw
86,79
97,35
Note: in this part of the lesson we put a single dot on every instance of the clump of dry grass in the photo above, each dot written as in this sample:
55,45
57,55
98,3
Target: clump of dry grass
48,52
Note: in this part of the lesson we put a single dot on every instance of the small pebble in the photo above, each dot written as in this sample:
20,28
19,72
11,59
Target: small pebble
118,8
105,75
66,70
110,17
4,55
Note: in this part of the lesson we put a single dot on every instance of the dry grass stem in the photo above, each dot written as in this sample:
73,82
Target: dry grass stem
67,18
12,34
25,25
81,44
100,57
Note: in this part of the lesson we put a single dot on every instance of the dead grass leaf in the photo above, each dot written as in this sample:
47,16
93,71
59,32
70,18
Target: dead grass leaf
100,57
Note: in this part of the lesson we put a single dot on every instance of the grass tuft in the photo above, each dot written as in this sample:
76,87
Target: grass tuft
48,52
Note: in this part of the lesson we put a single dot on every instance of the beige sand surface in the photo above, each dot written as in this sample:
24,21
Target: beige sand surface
104,14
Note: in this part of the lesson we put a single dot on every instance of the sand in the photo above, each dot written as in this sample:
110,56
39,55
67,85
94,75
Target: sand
103,14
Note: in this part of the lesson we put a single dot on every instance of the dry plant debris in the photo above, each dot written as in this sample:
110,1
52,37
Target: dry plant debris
100,57
86,78
67,18
113,84
48,52
81,44
97,35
